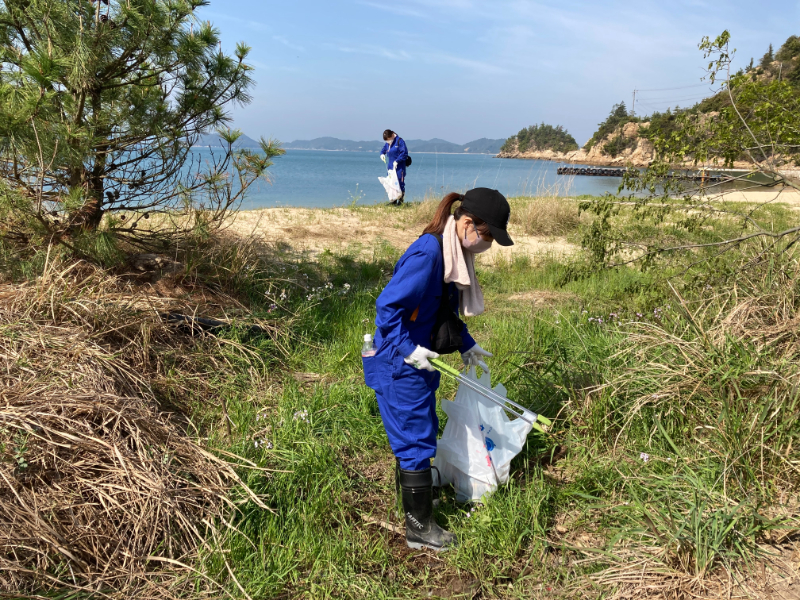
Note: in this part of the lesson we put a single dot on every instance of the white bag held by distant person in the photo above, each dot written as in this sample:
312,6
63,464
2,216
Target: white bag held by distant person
392,185
478,442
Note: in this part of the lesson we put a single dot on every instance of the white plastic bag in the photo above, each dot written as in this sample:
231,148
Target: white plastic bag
478,443
392,184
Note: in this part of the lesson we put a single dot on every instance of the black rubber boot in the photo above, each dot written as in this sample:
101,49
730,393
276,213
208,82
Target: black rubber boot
421,529
437,486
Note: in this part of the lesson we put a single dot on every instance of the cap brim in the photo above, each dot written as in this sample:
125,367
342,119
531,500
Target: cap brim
501,236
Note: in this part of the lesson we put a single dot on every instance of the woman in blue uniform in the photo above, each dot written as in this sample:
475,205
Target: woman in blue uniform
395,155
404,381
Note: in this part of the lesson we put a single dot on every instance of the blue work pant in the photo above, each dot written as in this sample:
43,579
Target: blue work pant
407,401
401,177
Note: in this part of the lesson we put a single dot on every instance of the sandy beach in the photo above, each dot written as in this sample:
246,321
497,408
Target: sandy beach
356,230
782,195
360,230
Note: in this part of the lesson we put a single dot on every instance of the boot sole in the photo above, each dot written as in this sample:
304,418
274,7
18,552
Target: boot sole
420,546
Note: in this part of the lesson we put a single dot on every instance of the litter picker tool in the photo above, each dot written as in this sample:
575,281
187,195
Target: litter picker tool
536,421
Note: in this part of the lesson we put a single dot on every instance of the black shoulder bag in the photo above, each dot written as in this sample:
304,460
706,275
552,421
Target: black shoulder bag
446,332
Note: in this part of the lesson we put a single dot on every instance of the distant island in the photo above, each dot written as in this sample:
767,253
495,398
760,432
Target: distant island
212,140
481,146
541,137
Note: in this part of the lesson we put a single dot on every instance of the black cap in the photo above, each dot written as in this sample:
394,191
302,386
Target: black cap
492,207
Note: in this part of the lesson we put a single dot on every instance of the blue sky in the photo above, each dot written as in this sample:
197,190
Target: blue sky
465,69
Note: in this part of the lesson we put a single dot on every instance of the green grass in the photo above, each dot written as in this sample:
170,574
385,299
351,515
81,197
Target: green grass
648,379
677,426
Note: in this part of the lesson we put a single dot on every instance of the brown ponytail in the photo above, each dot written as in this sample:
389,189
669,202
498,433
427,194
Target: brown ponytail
437,224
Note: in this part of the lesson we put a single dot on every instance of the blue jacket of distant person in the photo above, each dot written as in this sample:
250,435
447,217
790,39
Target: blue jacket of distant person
406,313
397,151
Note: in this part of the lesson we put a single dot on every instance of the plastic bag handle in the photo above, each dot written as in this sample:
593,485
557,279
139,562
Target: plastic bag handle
473,363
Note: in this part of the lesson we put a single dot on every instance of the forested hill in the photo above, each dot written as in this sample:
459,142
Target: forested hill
783,64
539,138
622,133
623,138
480,146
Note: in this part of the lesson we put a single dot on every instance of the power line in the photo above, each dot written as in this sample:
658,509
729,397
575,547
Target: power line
656,107
650,107
655,104
695,93
670,99
686,87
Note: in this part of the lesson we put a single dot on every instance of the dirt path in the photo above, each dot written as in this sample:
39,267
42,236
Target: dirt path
782,195
343,229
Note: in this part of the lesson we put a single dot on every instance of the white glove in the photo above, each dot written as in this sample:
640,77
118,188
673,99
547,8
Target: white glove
419,358
395,164
474,357
383,157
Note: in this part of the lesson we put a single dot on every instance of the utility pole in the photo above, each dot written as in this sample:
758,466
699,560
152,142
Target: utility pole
633,106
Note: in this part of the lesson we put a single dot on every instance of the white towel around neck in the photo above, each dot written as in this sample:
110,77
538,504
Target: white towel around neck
459,267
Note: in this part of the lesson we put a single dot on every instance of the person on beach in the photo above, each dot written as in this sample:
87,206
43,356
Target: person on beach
395,155
433,282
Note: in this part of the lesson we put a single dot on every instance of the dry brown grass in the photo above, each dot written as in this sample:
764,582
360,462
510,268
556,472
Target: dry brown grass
634,574
677,361
545,216
694,420
535,216
100,490
421,213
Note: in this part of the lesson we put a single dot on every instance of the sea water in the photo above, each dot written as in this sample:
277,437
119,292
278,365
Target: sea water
311,178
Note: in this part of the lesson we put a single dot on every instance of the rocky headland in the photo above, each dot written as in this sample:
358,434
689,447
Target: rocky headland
639,155
640,152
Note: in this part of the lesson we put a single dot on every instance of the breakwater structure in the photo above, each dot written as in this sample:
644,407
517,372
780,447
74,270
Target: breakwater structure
619,172
594,171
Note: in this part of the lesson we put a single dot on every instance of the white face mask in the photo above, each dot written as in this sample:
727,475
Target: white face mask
477,245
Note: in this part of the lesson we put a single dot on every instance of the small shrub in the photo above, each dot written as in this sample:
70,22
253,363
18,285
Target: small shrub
618,144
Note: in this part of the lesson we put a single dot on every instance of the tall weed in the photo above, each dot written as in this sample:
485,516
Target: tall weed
545,216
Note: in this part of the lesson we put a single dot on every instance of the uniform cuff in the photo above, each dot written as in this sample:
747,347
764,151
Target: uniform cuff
468,344
407,348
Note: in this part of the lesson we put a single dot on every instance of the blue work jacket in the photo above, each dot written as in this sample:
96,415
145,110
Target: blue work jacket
406,309
396,152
